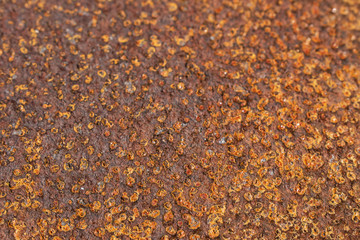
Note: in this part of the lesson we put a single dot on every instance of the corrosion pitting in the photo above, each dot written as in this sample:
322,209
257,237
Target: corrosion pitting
209,119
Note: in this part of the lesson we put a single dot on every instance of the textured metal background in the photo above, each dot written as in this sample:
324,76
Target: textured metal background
179,119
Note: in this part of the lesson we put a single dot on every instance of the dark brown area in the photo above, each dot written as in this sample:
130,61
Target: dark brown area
143,119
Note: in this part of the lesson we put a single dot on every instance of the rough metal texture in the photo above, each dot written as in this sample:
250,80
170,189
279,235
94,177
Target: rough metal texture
144,119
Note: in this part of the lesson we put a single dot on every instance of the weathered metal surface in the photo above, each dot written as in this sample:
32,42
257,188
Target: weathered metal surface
179,119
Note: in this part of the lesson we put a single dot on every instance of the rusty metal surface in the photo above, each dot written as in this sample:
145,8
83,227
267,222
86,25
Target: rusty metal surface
178,119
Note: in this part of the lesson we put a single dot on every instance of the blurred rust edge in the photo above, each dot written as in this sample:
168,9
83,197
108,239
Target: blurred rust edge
144,119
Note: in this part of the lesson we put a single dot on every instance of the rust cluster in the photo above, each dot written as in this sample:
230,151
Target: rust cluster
173,119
